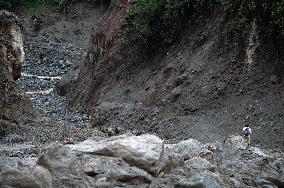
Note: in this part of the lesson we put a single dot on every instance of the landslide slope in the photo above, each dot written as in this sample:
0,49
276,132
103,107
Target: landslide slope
221,73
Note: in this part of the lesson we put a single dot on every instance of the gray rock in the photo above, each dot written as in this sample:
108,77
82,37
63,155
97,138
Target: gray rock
200,164
95,163
237,142
173,95
145,151
104,185
208,179
111,168
26,177
65,84
187,149
8,162
57,159
62,161
270,182
190,185
258,152
11,48
264,183
177,91
73,181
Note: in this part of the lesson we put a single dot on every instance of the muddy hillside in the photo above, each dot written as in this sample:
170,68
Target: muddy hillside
141,93
218,73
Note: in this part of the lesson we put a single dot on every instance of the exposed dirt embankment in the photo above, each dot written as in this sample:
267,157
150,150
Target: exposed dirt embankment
221,74
103,58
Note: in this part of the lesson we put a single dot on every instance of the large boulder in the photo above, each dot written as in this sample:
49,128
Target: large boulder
199,164
187,149
89,170
118,162
202,180
65,84
8,162
113,168
145,151
25,177
11,42
237,142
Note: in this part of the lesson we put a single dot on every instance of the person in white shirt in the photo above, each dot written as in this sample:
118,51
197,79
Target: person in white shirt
247,134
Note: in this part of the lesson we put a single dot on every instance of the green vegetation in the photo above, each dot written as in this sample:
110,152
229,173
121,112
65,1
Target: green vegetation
4,4
33,6
272,10
150,24
278,13
154,22
30,6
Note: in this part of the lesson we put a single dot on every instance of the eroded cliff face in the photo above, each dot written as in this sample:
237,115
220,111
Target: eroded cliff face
221,74
104,57
13,107
11,42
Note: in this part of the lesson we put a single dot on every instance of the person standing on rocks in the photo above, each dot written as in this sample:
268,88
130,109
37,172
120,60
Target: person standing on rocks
247,134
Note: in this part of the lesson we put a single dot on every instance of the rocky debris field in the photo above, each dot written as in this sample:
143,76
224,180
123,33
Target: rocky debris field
44,66
54,44
145,161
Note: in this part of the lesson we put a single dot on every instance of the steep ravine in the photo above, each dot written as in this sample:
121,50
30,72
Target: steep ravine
48,56
41,74
206,86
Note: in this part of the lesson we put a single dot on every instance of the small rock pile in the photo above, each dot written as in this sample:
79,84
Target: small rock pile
145,161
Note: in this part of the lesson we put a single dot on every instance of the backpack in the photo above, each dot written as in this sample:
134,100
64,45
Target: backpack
246,132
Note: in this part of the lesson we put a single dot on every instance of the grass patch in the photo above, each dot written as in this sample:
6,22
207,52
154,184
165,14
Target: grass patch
4,4
35,6
154,23
30,6
270,10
